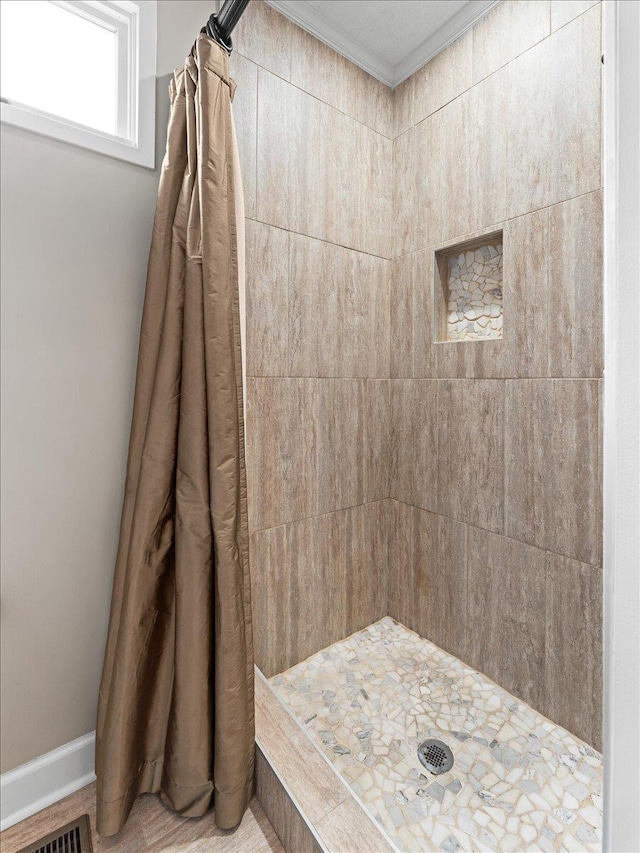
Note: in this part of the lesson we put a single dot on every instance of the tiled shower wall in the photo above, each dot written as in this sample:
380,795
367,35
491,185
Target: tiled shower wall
490,451
315,144
495,544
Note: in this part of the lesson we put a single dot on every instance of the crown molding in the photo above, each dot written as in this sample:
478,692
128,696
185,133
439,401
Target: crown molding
306,16
445,35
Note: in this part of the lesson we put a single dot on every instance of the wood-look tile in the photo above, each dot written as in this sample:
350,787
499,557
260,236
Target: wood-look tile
454,170
563,11
267,282
339,311
286,182
314,446
374,154
403,106
473,158
509,29
428,576
365,532
552,462
401,317
441,80
406,595
265,36
323,73
292,755
274,610
374,103
554,117
151,828
425,352
506,613
414,442
280,810
201,835
318,575
575,292
316,581
470,451
522,352
469,359
352,443
348,204
157,822
245,114
450,601
573,661
282,427
418,186
349,828
377,438
526,296
414,351
333,558
486,120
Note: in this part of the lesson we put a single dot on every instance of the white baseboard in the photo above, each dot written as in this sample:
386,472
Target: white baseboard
45,780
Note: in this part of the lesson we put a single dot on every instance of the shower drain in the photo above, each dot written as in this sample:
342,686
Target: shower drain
435,756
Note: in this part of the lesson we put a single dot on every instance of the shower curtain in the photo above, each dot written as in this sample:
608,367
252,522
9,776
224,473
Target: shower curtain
175,711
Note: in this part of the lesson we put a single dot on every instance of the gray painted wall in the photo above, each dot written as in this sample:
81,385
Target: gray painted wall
76,228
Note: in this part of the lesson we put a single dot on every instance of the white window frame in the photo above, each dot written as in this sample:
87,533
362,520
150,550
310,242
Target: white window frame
134,22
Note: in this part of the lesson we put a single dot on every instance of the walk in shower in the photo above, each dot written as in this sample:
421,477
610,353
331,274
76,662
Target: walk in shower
517,782
424,369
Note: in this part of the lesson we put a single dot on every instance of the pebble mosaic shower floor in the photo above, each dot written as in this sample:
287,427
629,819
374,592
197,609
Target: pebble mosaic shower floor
519,782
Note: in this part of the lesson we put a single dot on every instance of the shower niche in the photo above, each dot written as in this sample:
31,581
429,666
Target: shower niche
468,290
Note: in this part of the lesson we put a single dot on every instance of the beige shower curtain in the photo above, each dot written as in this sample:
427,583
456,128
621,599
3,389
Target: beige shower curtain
176,700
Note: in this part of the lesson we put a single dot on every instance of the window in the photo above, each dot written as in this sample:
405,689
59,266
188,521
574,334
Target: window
82,71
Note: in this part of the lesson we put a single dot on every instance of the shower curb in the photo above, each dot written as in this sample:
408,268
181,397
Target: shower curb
309,806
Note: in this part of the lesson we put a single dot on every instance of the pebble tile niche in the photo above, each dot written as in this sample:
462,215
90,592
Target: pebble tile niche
471,277
518,783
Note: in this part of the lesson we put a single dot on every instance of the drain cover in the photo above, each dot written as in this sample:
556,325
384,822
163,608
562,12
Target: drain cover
436,756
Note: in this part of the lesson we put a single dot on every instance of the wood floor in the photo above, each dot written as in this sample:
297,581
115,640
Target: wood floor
151,828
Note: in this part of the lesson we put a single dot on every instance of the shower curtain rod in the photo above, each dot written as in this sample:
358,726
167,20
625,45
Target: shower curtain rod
220,26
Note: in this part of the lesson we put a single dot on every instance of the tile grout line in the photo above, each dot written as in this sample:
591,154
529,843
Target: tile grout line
494,533
289,356
279,376
315,97
323,515
486,230
259,221
480,80
505,420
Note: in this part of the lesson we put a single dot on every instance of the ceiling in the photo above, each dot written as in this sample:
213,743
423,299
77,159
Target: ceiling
390,39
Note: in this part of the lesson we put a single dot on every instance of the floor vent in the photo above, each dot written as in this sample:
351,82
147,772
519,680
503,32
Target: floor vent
74,837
